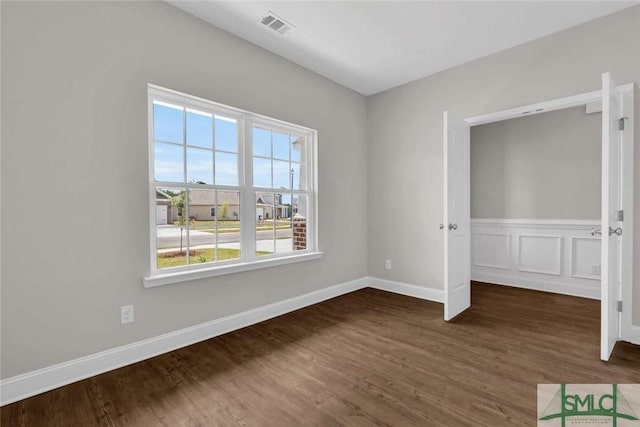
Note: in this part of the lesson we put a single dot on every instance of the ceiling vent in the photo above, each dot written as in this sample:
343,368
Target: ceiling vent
276,23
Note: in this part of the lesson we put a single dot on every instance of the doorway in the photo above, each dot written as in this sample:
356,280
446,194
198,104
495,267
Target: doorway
536,201
616,221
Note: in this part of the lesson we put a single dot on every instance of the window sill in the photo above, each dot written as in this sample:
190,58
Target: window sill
184,276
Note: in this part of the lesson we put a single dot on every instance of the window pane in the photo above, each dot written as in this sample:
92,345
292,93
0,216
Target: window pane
199,166
199,129
201,226
300,206
200,204
171,235
261,172
281,175
297,148
299,176
168,122
168,162
285,202
228,217
226,134
280,146
265,232
261,142
284,242
226,168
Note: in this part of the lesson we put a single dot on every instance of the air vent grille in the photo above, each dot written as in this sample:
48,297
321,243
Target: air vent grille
268,19
277,24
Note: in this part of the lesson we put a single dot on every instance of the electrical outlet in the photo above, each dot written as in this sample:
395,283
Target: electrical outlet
126,314
387,264
595,269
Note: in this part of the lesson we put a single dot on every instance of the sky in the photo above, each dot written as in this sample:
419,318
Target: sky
273,157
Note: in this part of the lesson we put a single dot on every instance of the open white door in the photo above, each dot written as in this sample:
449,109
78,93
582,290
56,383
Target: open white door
456,226
611,227
628,331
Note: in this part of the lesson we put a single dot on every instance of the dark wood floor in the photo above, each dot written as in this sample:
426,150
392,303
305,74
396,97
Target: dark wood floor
366,358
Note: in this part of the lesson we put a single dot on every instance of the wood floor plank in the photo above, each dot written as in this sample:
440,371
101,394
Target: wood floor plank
362,359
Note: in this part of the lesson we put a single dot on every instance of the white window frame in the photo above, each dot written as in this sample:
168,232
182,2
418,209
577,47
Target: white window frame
248,259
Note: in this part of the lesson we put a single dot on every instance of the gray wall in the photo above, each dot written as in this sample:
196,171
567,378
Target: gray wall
546,166
74,173
405,132
74,162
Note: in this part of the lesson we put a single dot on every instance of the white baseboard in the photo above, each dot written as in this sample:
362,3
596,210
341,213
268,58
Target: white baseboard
45,379
39,381
631,334
430,294
546,286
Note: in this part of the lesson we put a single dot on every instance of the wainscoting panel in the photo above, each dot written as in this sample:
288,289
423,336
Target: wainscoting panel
557,256
540,254
492,250
585,257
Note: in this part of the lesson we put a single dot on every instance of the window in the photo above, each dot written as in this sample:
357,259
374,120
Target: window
228,188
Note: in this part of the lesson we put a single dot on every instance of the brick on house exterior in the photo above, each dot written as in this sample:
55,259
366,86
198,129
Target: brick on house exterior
299,232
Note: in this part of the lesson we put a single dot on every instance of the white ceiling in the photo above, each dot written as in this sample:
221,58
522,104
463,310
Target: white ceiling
371,46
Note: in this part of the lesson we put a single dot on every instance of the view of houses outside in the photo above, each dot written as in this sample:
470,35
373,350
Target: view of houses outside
213,225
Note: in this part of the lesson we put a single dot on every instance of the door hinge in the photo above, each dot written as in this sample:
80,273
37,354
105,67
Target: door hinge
619,306
621,123
620,215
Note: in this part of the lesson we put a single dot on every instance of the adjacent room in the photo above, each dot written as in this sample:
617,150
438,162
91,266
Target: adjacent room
535,201
319,213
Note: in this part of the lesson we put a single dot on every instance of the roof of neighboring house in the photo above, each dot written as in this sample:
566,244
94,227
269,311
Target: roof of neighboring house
268,199
162,195
202,197
162,198
264,199
206,197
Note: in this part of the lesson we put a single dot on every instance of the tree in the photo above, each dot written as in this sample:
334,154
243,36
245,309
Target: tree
179,201
223,210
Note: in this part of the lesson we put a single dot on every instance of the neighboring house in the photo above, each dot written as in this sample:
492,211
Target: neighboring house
268,206
203,207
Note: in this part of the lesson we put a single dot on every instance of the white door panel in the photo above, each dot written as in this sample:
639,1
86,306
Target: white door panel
611,203
628,332
457,226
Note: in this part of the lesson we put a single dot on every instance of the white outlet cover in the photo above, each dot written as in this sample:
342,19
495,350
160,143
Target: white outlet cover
387,264
126,314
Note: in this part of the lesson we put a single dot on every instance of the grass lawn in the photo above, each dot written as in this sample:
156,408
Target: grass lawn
175,259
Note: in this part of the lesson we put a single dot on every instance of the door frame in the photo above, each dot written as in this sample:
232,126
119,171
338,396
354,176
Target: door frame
628,331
